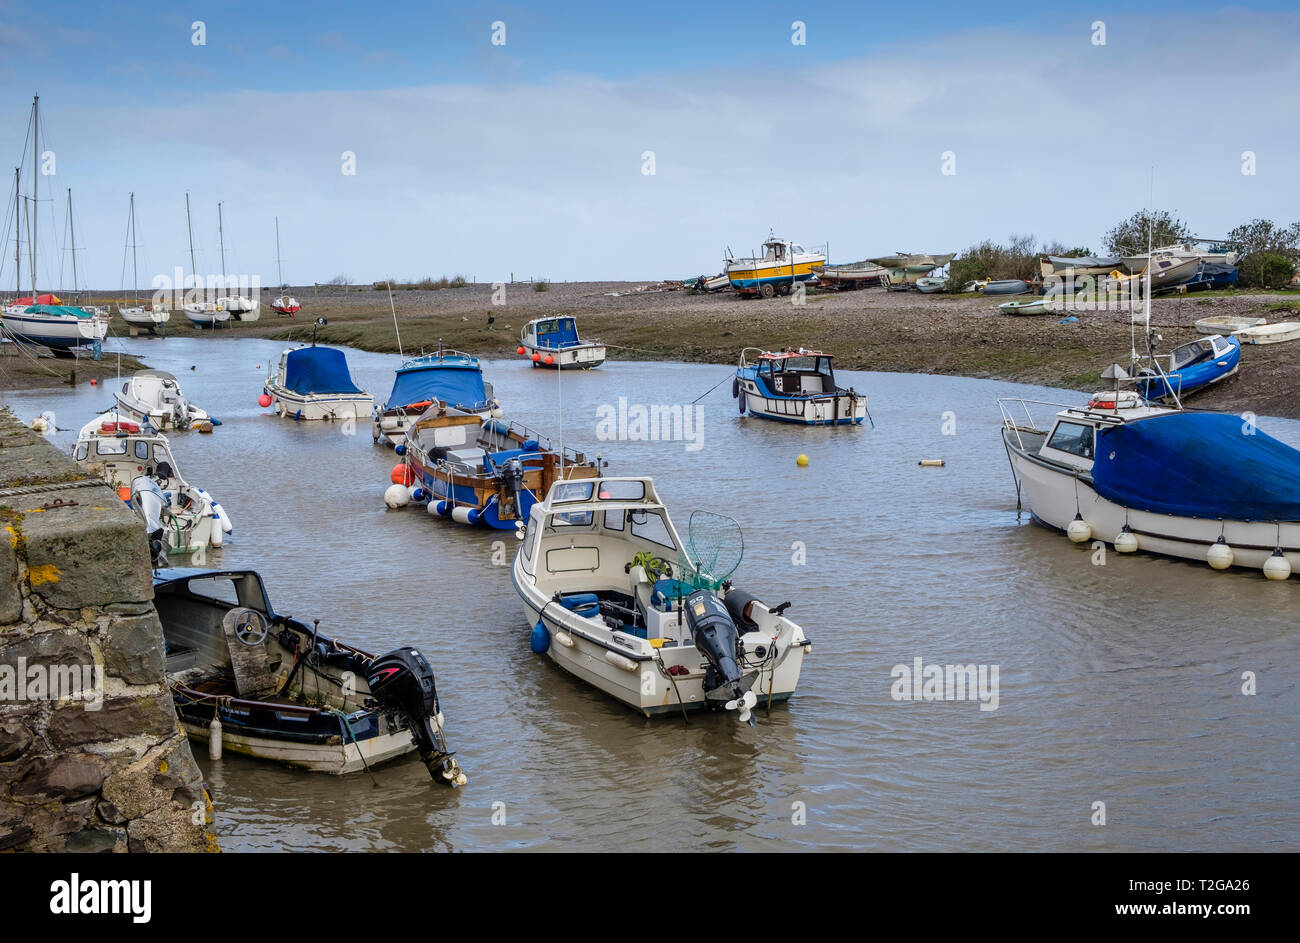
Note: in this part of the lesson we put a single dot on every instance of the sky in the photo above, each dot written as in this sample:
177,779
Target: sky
531,157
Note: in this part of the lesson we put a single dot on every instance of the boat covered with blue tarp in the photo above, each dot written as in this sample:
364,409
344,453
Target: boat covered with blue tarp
447,376
318,370
312,383
1200,465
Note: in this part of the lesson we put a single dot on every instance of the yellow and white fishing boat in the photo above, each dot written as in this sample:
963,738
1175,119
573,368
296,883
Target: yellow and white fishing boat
783,263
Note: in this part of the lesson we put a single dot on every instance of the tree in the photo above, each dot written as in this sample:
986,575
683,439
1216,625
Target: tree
1265,250
1130,237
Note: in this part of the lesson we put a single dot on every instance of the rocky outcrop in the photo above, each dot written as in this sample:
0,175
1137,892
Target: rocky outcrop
92,757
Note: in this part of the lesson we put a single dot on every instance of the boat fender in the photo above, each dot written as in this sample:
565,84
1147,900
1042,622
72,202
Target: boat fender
1126,541
419,495
215,537
735,388
442,507
741,606
464,515
396,496
1220,555
214,420
740,403
620,661
564,638
1079,531
539,640
223,517
400,449
1277,567
214,738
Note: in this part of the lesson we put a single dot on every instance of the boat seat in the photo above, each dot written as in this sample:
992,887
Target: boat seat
666,592
586,605
640,587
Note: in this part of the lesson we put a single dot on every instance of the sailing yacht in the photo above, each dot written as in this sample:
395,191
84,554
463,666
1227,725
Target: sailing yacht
240,308
153,318
285,303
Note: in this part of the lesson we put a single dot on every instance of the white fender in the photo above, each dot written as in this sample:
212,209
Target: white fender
620,661
565,639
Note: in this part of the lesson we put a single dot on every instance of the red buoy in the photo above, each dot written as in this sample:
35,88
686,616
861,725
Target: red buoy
94,382
520,351
264,400
549,360
536,357
403,475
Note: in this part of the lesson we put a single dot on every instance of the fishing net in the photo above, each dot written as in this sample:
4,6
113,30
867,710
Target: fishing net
714,547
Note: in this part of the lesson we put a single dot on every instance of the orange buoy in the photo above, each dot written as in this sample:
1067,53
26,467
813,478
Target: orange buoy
520,351
549,360
403,475
124,493
536,357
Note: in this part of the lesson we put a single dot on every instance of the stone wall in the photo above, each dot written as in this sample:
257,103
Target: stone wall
91,755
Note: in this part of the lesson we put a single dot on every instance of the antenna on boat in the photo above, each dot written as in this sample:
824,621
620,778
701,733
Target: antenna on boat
393,307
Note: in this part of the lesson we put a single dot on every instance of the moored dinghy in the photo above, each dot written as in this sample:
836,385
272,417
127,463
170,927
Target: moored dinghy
313,383
616,598
554,342
1270,333
1044,305
795,386
268,686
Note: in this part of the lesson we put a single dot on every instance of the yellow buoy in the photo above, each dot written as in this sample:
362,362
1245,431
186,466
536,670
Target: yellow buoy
802,460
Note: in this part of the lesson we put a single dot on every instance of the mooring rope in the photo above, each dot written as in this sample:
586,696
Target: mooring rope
55,486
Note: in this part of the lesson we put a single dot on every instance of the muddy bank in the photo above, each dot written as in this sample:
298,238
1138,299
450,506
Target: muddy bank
872,329
19,371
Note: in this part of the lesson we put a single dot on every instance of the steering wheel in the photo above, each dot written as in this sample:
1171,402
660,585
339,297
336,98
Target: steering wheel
658,568
250,626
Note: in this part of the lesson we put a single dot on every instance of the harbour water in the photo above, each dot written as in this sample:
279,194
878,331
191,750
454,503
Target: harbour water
1119,683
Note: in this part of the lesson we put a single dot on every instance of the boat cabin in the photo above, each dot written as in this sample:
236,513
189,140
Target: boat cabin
551,333
121,451
1072,440
1201,350
796,373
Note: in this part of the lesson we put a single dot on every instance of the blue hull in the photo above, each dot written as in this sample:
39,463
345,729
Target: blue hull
1195,377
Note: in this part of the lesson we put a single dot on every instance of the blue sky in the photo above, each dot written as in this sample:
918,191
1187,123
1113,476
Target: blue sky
527,158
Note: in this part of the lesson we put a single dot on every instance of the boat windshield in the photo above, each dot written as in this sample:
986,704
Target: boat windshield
1076,438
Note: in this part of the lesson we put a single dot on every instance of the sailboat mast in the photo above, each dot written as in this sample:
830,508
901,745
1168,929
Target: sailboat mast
36,172
279,268
135,274
72,229
18,233
194,271
221,237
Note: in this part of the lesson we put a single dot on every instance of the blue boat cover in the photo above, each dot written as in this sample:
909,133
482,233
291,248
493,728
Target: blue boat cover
455,382
318,370
1205,465
58,311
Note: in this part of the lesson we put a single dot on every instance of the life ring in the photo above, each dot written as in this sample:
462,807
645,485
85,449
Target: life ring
422,405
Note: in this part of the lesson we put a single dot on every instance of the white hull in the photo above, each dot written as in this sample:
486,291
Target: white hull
144,318
203,317
1270,333
241,309
313,407
338,759
829,410
164,420
1049,495
1227,324
56,331
582,357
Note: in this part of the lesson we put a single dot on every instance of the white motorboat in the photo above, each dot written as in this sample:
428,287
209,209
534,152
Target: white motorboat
155,397
554,342
137,460
313,383
1269,333
615,598
154,317
795,386
1202,250
1195,485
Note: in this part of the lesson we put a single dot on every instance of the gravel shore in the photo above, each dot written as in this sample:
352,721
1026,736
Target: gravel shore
870,329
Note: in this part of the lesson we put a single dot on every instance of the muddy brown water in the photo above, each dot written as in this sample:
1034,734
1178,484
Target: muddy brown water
1118,683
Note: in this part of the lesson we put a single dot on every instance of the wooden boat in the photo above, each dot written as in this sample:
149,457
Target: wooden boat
268,686
447,376
796,386
616,598
137,461
482,472
1270,333
314,383
1227,324
554,342
782,264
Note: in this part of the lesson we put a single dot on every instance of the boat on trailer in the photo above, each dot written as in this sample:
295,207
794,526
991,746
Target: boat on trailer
482,472
554,342
268,686
1140,476
615,597
447,376
777,270
155,397
795,386
314,383
137,461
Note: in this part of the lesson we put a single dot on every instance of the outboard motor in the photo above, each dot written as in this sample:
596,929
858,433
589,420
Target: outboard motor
512,480
402,682
150,503
717,638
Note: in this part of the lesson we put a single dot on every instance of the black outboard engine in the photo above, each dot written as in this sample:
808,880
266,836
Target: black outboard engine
512,478
402,682
717,638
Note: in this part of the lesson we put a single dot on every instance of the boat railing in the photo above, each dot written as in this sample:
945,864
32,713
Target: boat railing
1013,407
744,363
500,431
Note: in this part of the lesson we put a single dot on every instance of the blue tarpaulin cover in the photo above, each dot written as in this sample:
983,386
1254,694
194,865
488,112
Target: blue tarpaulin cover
457,382
1205,465
318,370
